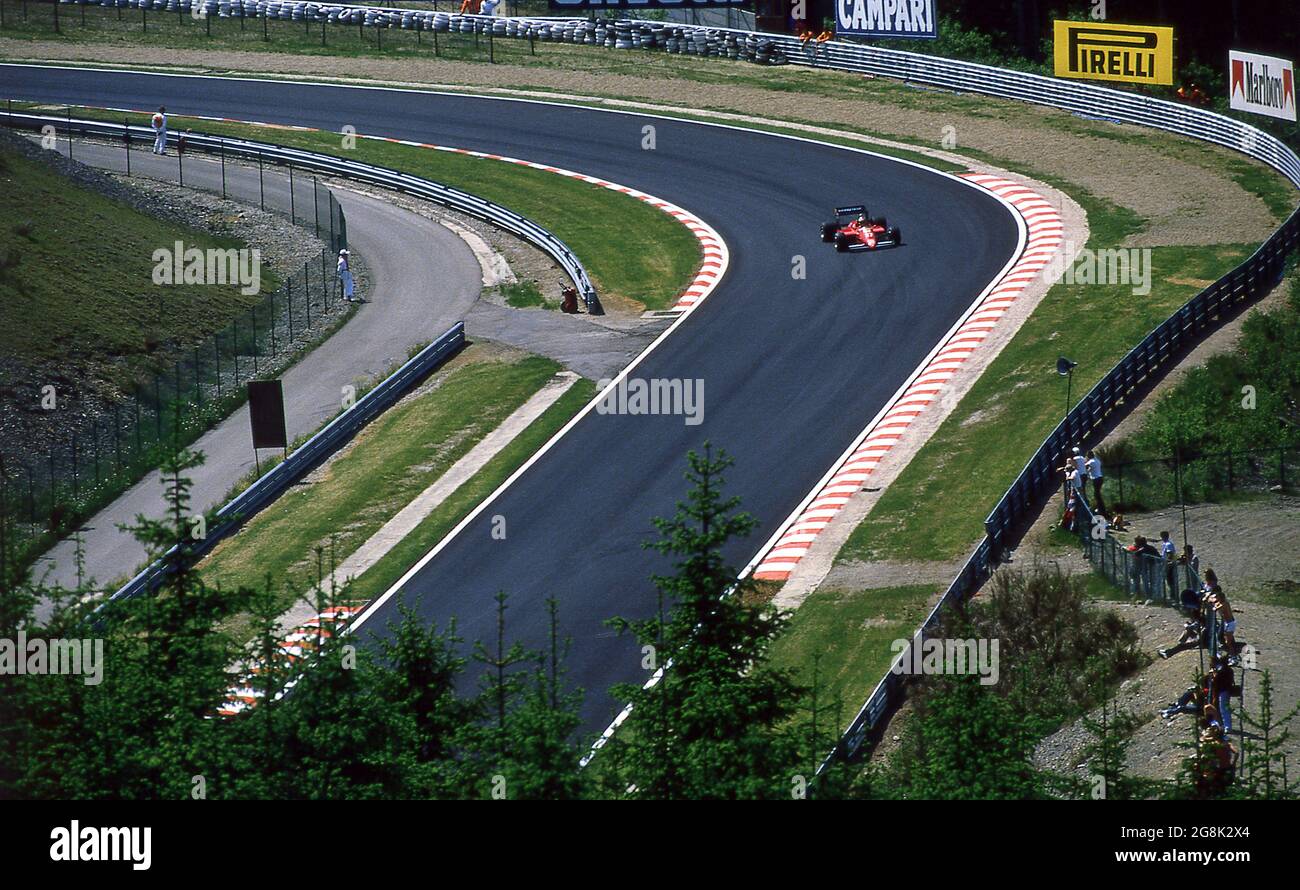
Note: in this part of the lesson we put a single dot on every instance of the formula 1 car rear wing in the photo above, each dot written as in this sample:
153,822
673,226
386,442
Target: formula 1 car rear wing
853,208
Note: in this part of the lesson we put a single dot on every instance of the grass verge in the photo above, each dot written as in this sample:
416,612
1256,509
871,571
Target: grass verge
470,494
390,462
849,635
101,319
970,460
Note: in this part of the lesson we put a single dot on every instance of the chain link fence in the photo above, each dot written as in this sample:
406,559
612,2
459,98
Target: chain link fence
192,387
1150,484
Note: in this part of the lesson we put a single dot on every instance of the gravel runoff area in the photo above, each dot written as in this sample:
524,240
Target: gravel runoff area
1176,184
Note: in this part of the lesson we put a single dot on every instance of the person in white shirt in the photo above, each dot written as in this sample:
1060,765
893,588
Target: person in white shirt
1169,553
1079,463
345,275
1073,481
1092,467
160,131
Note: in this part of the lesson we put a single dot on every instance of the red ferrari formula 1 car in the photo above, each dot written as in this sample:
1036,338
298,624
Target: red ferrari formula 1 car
854,229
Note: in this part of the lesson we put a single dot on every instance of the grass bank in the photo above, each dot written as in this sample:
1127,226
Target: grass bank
100,320
395,458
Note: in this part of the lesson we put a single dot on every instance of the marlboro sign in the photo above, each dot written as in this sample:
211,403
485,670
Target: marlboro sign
1262,84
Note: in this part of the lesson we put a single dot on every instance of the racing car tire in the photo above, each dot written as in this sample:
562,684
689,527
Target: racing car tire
883,223
828,231
841,242
896,235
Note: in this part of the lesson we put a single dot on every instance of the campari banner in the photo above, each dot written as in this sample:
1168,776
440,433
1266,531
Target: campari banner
886,18
1262,84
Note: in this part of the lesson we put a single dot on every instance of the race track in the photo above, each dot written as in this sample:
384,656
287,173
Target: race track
792,370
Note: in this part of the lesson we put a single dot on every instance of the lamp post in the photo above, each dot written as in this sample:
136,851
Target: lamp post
1065,367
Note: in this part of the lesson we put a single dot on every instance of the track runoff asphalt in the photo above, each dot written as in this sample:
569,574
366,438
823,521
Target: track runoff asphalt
792,370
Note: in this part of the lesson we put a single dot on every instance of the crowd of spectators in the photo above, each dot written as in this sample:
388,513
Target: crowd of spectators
1210,624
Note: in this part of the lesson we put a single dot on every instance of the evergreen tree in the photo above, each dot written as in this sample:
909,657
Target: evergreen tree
966,743
1107,757
1262,774
718,723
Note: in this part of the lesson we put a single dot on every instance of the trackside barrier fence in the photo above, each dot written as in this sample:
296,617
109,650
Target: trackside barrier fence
330,165
303,459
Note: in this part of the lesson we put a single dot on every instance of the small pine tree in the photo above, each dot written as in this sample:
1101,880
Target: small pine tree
1107,757
719,721
1262,774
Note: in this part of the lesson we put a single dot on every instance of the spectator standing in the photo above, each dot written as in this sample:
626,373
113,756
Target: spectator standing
344,273
159,122
1080,465
1169,553
1092,466
1222,689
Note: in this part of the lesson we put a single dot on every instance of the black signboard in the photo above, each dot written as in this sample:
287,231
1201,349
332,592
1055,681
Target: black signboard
266,413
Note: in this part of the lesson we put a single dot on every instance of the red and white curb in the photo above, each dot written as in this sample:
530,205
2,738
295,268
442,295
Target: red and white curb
1045,232
716,257
714,249
301,642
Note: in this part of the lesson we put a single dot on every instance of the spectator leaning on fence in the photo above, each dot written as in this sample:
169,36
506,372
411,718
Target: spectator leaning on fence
1169,553
1144,557
1214,597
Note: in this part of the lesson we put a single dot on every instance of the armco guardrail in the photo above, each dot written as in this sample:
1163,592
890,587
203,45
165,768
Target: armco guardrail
330,165
1200,315
303,459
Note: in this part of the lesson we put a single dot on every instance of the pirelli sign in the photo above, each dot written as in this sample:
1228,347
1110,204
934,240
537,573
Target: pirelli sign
1124,53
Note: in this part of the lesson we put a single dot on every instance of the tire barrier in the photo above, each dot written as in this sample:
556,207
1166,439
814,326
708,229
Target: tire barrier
765,48
616,34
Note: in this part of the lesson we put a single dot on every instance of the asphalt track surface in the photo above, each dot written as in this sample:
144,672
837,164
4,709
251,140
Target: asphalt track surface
792,369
